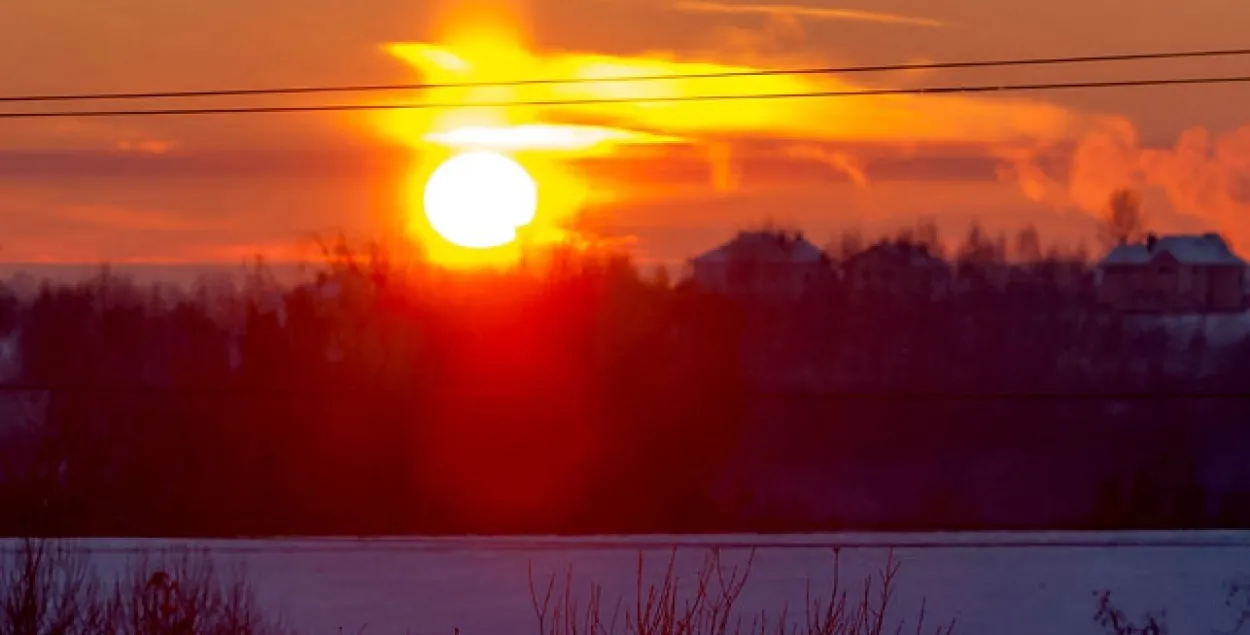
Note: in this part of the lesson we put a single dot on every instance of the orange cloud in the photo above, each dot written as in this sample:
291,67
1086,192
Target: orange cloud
1204,176
1104,161
610,116
42,226
556,138
725,176
129,218
901,118
842,163
1019,165
797,11
152,146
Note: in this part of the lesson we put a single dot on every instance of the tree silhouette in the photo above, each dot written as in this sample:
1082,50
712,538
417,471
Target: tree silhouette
848,244
1028,245
927,235
594,397
1123,224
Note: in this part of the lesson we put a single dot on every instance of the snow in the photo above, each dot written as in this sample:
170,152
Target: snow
1206,249
1009,583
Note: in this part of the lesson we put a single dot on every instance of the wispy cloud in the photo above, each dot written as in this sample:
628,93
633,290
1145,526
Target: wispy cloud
840,162
146,146
123,218
798,11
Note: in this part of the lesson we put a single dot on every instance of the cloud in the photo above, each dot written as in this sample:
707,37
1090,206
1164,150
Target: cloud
915,119
1022,167
149,146
122,218
1205,175
751,143
1202,180
842,163
726,177
730,138
555,138
1202,175
47,223
1104,160
797,11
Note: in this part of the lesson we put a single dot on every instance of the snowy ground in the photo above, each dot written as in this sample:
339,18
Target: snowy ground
1018,584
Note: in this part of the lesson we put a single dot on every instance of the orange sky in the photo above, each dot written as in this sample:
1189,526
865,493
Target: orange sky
210,188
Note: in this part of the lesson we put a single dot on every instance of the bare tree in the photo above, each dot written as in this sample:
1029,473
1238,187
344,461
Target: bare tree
661,278
1123,224
979,249
847,245
1028,245
928,236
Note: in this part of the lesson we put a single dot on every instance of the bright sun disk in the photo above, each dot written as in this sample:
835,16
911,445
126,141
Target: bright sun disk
479,199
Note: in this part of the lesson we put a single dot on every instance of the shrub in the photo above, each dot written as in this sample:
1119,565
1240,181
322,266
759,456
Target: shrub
50,588
711,606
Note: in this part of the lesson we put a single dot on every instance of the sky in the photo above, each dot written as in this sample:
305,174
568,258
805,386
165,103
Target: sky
224,188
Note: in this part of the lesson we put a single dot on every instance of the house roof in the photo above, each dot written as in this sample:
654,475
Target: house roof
766,246
1205,249
908,254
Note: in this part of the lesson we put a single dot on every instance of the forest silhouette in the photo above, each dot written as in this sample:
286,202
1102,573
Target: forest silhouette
582,395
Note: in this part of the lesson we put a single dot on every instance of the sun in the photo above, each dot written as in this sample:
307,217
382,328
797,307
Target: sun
479,199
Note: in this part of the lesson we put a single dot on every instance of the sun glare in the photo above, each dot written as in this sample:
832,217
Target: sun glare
479,199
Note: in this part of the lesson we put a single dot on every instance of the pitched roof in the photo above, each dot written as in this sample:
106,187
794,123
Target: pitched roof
766,246
1205,249
910,254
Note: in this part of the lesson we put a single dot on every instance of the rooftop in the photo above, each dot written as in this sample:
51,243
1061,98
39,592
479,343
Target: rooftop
1204,249
764,245
910,254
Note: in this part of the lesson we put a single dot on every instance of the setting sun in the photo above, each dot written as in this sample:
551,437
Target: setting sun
479,199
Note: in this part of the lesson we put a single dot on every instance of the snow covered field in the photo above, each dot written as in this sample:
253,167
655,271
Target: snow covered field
1017,584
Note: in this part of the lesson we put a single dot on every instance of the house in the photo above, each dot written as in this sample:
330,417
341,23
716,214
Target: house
897,269
1173,274
762,264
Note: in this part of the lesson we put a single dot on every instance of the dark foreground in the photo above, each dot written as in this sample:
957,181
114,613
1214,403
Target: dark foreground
588,398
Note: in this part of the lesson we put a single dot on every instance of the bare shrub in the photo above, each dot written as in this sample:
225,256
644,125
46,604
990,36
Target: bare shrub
182,594
710,607
49,589
1116,622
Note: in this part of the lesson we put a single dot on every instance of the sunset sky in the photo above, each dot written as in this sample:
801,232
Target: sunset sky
221,188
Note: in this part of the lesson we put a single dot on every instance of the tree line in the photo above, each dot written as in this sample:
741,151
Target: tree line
583,395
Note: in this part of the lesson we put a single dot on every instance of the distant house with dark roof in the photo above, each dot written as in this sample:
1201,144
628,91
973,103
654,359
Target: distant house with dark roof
765,264
1173,274
898,269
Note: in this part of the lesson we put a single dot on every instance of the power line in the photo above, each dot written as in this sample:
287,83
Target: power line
830,70
882,92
